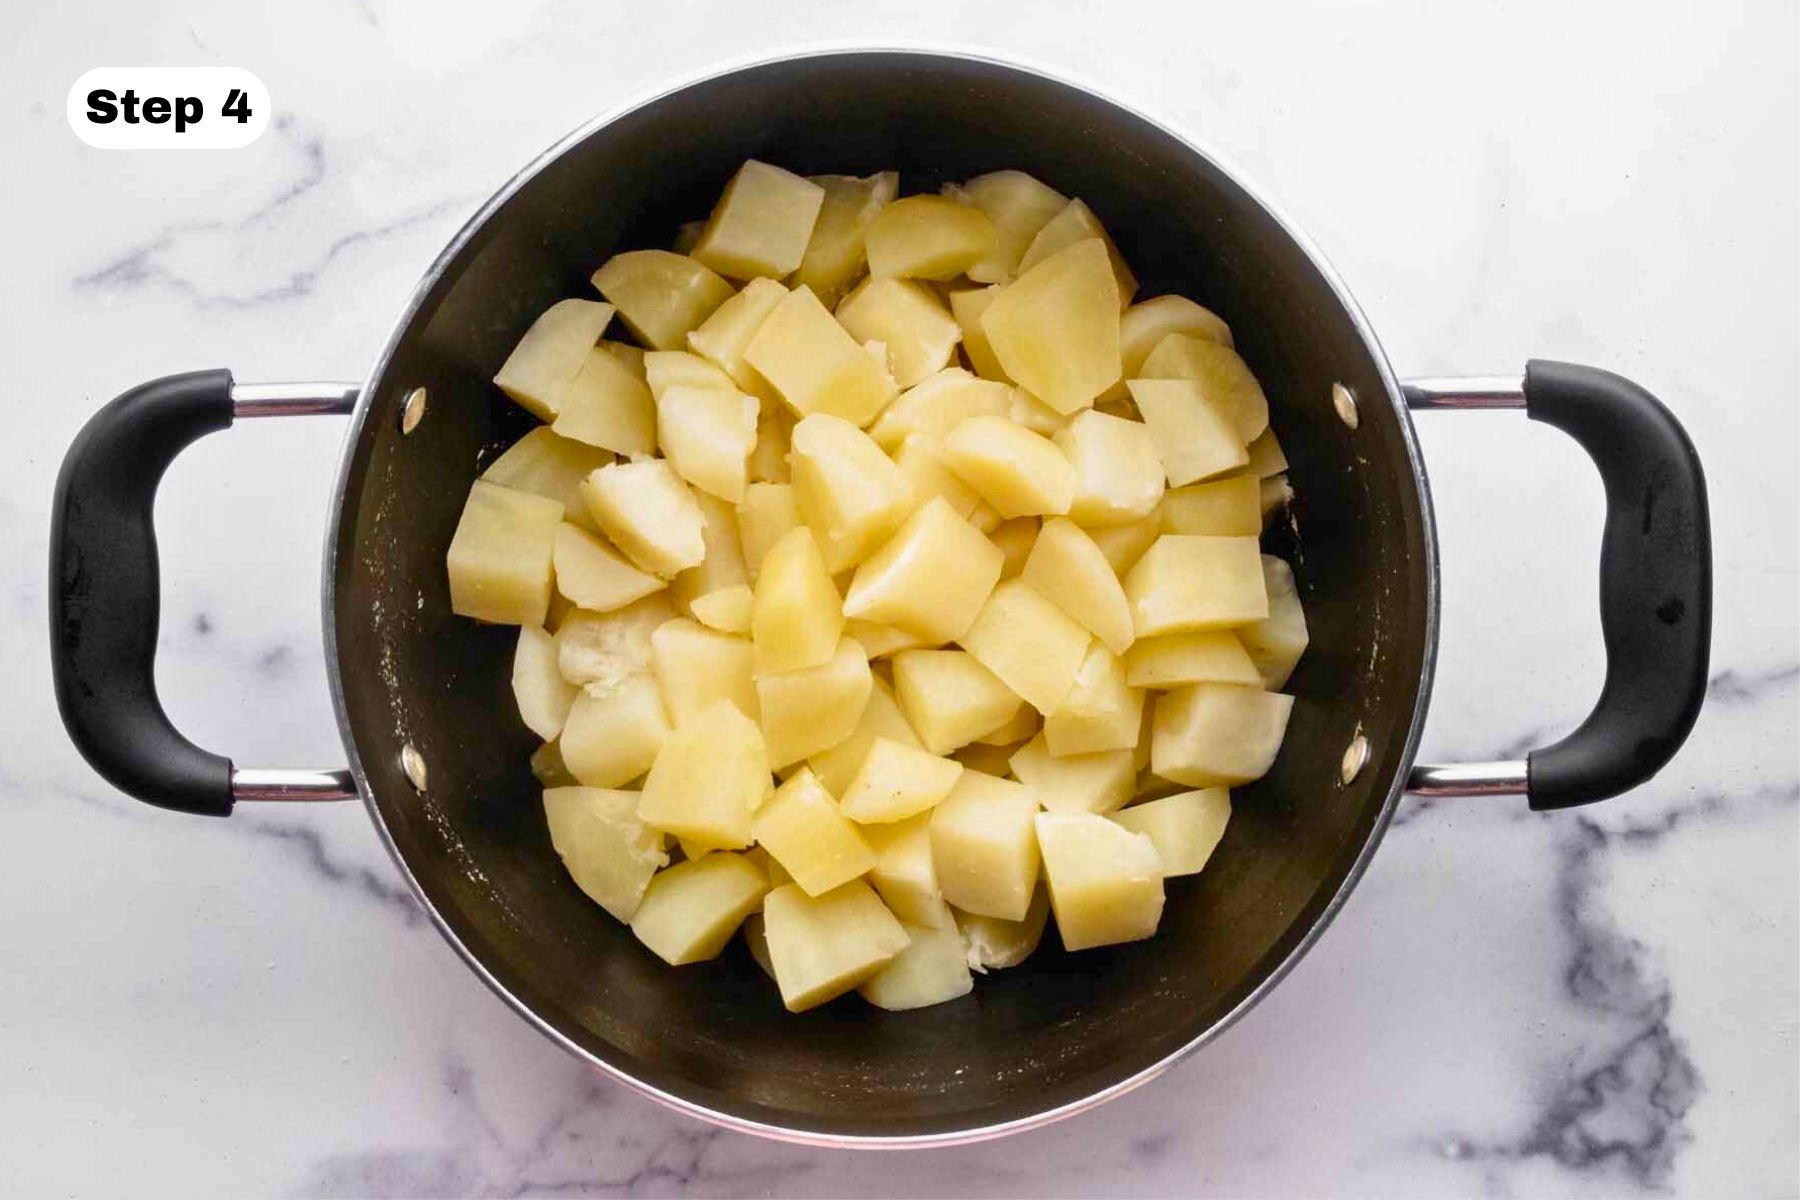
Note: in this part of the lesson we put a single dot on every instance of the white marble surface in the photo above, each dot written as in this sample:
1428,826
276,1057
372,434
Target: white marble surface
1600,1002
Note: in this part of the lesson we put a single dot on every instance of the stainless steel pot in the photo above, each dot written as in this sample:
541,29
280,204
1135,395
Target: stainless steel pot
423,699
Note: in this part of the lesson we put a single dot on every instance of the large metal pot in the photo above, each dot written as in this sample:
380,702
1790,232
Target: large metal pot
423,700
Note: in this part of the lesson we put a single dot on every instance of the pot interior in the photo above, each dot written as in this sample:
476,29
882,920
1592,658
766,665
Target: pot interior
1062,1026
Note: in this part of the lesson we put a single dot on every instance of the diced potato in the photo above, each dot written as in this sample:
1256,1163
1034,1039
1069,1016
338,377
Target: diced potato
1266,455
937,404
1019,206
539,369
1186,581
835,255
1195,438
661,296
930,579
803,829
710,775
690,910
1029,643
1185,828
927,237
984,846
632,356
989,760
1028,411
919,332
613,734
1021,728
1177,659
542,694
608,852
648,512
1124,545
1055,329
1146,323
796,618
606,648
904,872
1019,472
1101,712
921,460
665,369
881,641
993,944
545,464
822,946
1223,508
967,306
696,667
726,610
767,515
778,877
608,405
1091,783
1218,734
1222,375
1119,477
774,429
499,560
723,565
549,769
1105,881
761,224
691,851
1068,569
816,366
1015,539
1276,642
756,939
848,491
950,699
807,712
723,337
881,718
932,969
708,434
1075,223
596,577
897,781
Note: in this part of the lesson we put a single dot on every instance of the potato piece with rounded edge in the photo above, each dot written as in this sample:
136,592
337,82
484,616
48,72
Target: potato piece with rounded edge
608,405
904,873
542,694
1213,734
695,667
761,224
596,577
722,337
993,944
1185,827
608,852
921,460
690,910
1025,410
815,365
804,830
1106,883
612,736
1266,456
1055,329
726,610
767,515
1189,582
1031,644
1068,569
1021,728
1019,206
835,254
1195,439
822,946
897,781
1119,477
950,699
1222,375
1077,222
1094,783
648,512
984,847
881,718
796,617
546,464
932,969
549,769
1019,472
709,777
665,369
778,877
1101,712
632,356
849,492
604,649
660,295
1276,642
881,641
1175,660
1124,545
967,305
707,434
545,360
936,405
930,579
927,237
1146,323
1015,539
499,561
907,317
1230,507
809,711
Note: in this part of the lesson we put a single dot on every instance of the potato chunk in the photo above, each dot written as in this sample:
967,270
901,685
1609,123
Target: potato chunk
849,492
835,254
696,667
949,698
1223,508
605,648
1019,472
596,577
1276,642
1096,783
723,337
927,237
540,368
930,579
1146,323
1031,644
1124,545
707,434
761,224
822,946
897,781
919,332
807,712
938,404
690,910
545,464
1105,881
921,460
1214,734
613,734
904,872
1068,569
723,565
608,852
1186,582
661,296
665,369
881,718
1119,477
709,777
727,610
984,846
1055,329
1015,539
1185,828
1178,659
648,512
767,515
608,404
796,617
993,944
816,366
542,694
803,829
1266,455
1019,206
967,306
499,560
932,969
1223,377
1101,712
1021,728
1195,439
1077,222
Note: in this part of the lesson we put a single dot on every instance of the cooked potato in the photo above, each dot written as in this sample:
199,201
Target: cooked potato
880,641
816,366
984,846
1185,828
695,667
967,305
1124,545
921,460
723,565
661,296
549,769
1028,411
1092,783
919,332
608,852
594,576
710,775
767,515
608,405
1019,472
1075,223
1177,659
1276,642
927,237
1019,206
613,733
807,712
1213,734
904,872
690,910
804,830
835,254
796,617
774,429
1188,582
930,579
1021,728
1105,881
881,718
1031,644
849,492
707,434
648,512
950,699
822,946
722,338
762,223
1146,323
727,610
1195,438
897,781
499,560
932,969
604,648
665,369
1015,539
1101,711
541,367
1119,476
993,944
546,464
542,694
1223,508
1068,569
1055,329
1266,456
938,404
1223,377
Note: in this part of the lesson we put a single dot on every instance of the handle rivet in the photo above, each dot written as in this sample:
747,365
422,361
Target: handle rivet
1344,400
413,411
1356,757
413,763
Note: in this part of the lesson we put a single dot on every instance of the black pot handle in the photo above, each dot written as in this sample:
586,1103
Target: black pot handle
105,594
1655,584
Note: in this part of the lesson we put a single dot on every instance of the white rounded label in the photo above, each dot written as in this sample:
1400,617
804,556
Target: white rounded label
168,108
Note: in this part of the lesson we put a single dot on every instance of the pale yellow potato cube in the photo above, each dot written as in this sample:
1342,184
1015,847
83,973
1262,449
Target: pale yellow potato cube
1015,539
707,434
767,515
1028,411
774,430
1276,642
608,405
835,255
540,368
1119,477
606,648
921,460
632,356
1146,323
1031,644
803,829
648,512
710,775
796,617
967,305
761,224
1075,223
1188,581
932,969
1177,659
927,237
850,493
696,667
815,365
1218,734
661,296
1195,439
807,712
665,369
1223,508
778,877
723,337
897,781
904,873
1019,472
1222,375
1019,206
937,404
608,852
950,699
726,610
1055,329
542,694
992,944
690,910
499,560
545,464
1091,783
984,846
1106,883
918,330
596,577
1068,569
1266,456
1101,712
881,718
930,579
549,769
1185,828
723,565
822,946
1124,545
613,734
881,641
989,760
1021,728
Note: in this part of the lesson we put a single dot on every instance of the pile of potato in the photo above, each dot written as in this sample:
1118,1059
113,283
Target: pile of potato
900,586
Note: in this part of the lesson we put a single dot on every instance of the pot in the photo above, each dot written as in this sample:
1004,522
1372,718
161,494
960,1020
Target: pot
423,698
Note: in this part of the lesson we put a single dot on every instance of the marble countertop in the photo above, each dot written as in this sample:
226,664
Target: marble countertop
1598,1002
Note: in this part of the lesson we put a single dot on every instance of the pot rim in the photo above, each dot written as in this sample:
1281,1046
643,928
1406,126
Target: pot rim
359,419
